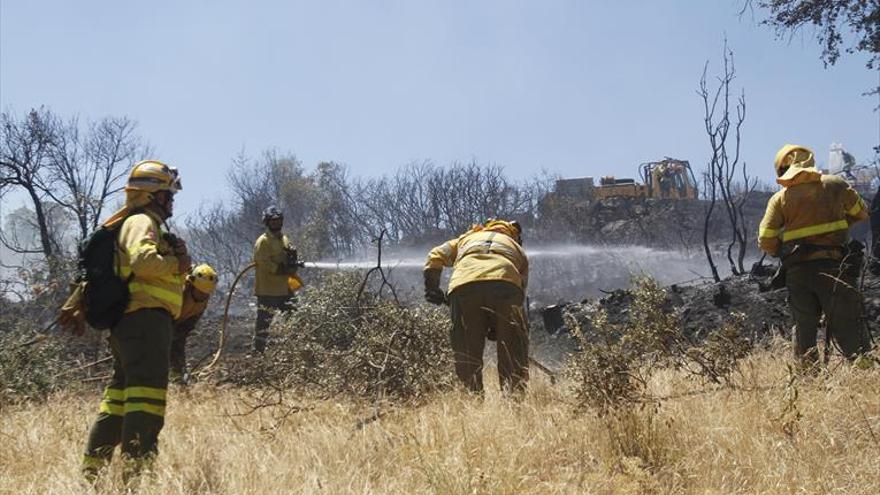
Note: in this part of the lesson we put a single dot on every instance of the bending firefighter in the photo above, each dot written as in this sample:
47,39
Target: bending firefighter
486,291
806,224
153,263
276,278
200,284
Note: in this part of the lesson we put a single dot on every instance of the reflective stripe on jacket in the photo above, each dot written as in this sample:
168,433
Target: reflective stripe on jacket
269,254
481,255
814,209
146,260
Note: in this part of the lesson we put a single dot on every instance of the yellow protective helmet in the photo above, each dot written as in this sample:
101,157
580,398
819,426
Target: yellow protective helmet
793,159
151,176
203,278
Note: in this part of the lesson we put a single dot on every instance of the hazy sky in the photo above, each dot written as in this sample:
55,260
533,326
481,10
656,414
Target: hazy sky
574,87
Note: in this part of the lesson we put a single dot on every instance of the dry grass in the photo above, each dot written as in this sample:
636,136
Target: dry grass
761,437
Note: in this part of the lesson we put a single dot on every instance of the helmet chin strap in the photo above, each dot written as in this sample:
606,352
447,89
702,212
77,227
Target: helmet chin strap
162,206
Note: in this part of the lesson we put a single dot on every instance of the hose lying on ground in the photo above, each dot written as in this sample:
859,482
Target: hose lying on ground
222,342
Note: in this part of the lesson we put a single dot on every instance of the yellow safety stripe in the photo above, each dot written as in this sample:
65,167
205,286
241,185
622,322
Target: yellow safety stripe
114,394
111,409
822,228
855,209
765,232
145,393
172,297
146,407
142,248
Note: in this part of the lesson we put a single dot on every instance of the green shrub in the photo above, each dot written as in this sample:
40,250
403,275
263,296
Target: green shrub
335,344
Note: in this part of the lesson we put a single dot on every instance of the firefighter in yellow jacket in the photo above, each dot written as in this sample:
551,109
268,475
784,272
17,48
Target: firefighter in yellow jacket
807,225
276,261
200,284
486,291
132,411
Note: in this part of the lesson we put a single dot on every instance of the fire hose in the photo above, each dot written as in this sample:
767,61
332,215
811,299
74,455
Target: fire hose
222,342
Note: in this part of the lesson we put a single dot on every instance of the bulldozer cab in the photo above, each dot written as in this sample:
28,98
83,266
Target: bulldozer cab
611,187
669,179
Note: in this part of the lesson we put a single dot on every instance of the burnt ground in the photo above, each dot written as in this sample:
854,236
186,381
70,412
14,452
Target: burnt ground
705,307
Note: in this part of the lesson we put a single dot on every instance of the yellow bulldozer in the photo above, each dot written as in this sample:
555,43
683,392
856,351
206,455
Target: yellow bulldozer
664,179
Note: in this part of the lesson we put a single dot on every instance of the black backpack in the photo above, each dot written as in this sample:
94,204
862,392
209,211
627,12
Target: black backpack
105,294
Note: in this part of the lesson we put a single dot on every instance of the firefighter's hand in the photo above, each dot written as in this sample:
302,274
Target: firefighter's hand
435,296
184,263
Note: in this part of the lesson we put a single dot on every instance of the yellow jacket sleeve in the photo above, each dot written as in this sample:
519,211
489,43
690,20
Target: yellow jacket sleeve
140,237
443,255
770,230
854,206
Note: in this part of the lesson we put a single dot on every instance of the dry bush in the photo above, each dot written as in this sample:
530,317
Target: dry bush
718,440
614,361
28,372
717,359
334,344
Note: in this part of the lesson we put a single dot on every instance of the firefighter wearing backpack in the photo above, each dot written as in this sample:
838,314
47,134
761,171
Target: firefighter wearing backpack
486,290
806,224
132,411
200,284
276,264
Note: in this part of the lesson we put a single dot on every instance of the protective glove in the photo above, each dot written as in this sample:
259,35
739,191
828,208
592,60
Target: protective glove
72,316
291,263
433,294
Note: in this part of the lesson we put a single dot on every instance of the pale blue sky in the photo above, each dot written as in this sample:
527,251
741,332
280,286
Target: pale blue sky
574,87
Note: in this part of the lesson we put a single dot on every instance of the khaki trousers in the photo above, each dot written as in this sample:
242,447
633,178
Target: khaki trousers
820,287
477,308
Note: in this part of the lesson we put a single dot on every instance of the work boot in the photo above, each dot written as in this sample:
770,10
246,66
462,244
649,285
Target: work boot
134,469
92,467
863,362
